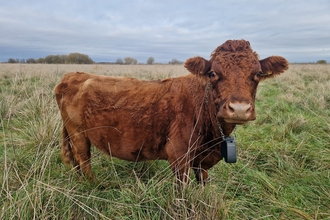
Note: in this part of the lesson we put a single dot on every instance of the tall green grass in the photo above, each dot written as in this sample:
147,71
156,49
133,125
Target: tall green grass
283,168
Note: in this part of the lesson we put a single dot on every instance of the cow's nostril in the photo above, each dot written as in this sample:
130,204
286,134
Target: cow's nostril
248,111
231,108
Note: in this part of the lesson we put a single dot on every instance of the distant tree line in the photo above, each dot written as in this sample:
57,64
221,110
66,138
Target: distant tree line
78,58
175,61
132,61
12,60
72,58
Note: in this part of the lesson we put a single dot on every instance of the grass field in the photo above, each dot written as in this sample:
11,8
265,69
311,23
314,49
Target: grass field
283,168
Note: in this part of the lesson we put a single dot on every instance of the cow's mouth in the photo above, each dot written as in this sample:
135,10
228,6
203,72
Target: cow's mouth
238,122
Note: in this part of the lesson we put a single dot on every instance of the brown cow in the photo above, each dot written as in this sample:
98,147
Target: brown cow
175,119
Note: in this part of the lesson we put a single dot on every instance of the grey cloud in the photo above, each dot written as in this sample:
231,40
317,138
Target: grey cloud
106,30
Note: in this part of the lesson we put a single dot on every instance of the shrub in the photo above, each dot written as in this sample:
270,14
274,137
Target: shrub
321,62
41,60
78,58
175,61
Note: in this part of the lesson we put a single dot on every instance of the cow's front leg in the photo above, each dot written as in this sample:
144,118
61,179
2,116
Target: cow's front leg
180,167
180,150
201,175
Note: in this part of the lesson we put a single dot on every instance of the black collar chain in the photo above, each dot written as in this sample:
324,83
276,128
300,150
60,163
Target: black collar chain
221,131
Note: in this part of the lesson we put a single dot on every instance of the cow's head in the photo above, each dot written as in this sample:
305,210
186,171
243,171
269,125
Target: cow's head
234,72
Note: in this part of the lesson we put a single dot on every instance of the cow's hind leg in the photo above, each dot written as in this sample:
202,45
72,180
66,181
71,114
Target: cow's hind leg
66,150
76,150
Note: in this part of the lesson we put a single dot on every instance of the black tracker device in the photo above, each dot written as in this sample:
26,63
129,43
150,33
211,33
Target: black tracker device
228,149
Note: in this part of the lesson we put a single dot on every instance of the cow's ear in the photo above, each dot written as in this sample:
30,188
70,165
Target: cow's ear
273,66
198,65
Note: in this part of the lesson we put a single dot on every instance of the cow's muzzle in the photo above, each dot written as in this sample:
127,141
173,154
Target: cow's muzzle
237,112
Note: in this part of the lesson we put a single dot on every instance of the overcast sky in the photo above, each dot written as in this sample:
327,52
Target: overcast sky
106,30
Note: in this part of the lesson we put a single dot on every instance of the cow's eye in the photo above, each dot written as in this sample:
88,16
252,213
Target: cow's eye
212,74
256,77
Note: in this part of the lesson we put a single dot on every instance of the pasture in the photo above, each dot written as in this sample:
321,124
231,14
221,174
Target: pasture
283,168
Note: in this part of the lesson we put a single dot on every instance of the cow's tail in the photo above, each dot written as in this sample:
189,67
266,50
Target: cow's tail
66,151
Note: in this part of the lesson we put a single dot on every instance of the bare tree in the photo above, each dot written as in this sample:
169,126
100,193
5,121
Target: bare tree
30,60
150,60
12,60
119,61
130,60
